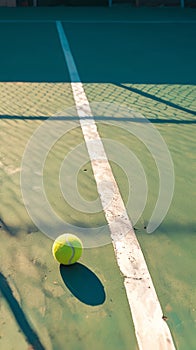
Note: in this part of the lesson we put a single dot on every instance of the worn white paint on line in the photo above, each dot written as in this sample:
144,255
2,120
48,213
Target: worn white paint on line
151,330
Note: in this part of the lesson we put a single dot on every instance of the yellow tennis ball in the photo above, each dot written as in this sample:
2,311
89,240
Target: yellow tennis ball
67,249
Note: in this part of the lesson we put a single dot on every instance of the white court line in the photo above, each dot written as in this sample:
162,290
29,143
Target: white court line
26,21
151,330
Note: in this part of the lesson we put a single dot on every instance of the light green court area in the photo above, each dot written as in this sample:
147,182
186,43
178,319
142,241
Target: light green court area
46,307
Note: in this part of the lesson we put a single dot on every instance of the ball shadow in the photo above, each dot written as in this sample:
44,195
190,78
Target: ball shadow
83,284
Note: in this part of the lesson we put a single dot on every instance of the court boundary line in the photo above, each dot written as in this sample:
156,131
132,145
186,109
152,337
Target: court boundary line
7,21
151,330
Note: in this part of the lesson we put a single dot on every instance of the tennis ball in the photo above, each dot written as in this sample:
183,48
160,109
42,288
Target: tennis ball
67,249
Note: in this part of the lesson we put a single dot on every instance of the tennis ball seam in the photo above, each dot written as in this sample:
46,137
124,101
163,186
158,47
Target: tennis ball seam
72,248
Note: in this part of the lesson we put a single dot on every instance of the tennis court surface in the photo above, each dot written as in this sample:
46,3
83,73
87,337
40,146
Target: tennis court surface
71,81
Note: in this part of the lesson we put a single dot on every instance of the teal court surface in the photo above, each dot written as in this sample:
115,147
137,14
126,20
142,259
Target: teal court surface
130,72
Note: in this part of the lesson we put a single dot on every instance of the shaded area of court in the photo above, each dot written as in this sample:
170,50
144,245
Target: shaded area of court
145,53
31,53
103,54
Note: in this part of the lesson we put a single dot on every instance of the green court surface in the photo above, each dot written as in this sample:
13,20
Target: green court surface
141,59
